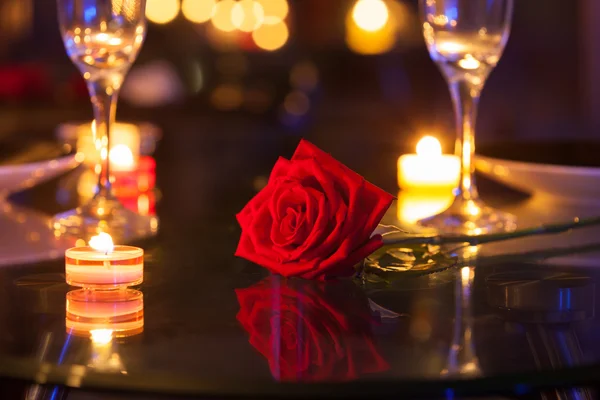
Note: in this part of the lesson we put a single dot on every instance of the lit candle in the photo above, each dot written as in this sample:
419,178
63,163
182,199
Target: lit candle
429,168
104,314
124,150
125,184
101,265
141,180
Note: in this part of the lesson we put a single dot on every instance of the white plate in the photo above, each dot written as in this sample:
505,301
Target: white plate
572,183
26,237
22,176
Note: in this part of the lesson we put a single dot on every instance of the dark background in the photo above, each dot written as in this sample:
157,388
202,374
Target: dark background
543,87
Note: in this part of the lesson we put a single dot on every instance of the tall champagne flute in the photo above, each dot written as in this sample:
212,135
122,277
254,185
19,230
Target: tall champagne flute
103,39
466,39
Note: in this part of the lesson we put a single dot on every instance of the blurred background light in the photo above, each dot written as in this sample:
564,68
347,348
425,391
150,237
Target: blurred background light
162,11
370,15
271,37
370,29
222,17
274,10
198,11
166,88
304,76
247,15
227,97
296,103
221,40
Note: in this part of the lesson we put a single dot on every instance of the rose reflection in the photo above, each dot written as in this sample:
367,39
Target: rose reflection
310,331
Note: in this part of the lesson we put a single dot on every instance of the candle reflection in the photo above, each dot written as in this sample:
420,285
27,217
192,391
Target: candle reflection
119,311
413,206
462,359
310,331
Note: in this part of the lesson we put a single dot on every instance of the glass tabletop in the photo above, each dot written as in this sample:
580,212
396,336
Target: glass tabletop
207,323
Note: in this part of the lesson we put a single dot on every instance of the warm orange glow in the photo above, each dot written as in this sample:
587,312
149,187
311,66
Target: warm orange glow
271,37
414,206
469,62
198,11
143,204
101,337
221,18
429,146
162,11
364,41
102,242
247,15
429,168
274,10
370,15
121,157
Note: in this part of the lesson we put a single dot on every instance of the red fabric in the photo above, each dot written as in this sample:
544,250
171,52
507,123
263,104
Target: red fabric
308,333
314,218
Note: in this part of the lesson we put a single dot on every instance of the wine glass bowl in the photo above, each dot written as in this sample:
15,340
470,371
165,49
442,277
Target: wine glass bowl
102,43
466,39
103,39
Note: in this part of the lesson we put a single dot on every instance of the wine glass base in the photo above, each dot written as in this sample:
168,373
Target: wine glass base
105,215
470,217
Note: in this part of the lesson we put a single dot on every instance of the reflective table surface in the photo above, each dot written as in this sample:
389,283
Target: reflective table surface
205,323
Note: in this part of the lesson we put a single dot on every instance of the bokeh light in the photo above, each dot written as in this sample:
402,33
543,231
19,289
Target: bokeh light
274,10
222,17
227,97
304,76
370,15
271,37
221,40
370,41
296,103
162,11
247,15
198,11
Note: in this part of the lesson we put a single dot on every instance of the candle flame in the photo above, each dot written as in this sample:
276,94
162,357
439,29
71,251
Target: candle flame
429,146
101,336
121,156
102,242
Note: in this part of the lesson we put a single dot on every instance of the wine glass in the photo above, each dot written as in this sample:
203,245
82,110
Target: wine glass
103,39
466,39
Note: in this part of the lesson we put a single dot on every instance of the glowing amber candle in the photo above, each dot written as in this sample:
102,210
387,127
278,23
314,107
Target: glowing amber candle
118,312
102,265
124,146
429,168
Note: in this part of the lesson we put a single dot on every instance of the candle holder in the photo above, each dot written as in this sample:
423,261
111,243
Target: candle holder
101,265
120,311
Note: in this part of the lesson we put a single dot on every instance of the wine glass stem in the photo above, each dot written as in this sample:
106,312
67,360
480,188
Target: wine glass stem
104,97
465,97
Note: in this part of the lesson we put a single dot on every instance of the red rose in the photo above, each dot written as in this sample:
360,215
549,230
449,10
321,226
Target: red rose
314,219
310,331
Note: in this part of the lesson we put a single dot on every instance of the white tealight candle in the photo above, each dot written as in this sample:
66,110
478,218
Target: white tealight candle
102,265
429,168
